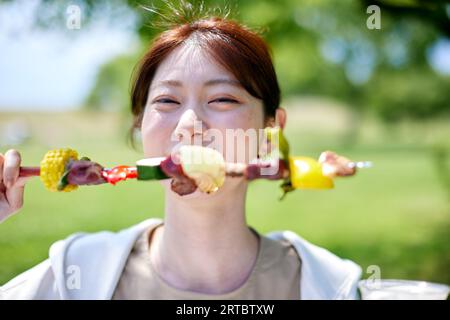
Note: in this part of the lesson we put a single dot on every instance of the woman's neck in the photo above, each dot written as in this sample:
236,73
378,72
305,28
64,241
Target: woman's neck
205,246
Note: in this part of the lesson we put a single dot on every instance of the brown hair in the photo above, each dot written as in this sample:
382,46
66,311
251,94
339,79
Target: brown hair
239,50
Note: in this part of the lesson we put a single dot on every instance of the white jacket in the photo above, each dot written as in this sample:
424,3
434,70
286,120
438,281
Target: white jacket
97,260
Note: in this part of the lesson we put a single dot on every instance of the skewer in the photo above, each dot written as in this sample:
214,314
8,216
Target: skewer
62,171
360,164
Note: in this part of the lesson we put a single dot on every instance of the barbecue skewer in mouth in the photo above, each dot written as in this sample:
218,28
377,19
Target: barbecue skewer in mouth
190,168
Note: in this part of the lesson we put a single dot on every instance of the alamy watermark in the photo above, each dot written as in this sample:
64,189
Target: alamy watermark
373,22
236,145
73,20
73,277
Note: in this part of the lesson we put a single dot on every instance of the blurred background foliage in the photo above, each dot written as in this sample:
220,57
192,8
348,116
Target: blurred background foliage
381,95
322,47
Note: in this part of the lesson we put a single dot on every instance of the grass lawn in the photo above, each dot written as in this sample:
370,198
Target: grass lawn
395,215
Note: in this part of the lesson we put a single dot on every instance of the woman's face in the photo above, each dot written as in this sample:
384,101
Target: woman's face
194,100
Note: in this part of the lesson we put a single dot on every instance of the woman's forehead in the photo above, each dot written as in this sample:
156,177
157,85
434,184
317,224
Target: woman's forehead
191,63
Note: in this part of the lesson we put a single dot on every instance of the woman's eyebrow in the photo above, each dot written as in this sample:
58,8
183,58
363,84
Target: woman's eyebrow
212,82
169,83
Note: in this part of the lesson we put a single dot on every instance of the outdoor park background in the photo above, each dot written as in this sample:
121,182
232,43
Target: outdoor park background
380,95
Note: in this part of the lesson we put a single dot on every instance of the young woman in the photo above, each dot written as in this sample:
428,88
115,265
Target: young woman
219,74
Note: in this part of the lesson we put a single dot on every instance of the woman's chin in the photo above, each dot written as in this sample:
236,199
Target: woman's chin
197,194
231,185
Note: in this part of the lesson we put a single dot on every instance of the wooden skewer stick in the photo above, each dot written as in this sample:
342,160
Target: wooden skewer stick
29,171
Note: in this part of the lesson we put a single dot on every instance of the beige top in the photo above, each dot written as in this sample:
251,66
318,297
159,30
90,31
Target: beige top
275,275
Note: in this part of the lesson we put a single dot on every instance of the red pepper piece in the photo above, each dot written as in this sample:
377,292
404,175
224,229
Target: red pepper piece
119,173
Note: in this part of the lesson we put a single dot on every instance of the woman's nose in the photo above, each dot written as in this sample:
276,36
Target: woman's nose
189,127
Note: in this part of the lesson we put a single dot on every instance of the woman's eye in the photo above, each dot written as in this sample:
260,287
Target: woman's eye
166,104
166,100
224,100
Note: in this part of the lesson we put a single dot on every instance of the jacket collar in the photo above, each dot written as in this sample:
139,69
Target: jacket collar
324,276
97,260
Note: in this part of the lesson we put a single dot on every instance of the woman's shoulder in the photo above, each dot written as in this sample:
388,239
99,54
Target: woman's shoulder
89,262
324,274
99,245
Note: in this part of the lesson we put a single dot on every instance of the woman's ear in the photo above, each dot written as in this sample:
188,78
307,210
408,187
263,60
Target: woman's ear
278,120
280,117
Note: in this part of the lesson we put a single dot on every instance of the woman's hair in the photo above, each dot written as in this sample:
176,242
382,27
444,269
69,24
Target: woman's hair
242,52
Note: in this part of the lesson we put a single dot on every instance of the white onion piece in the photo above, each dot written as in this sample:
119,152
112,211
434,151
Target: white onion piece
205,166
